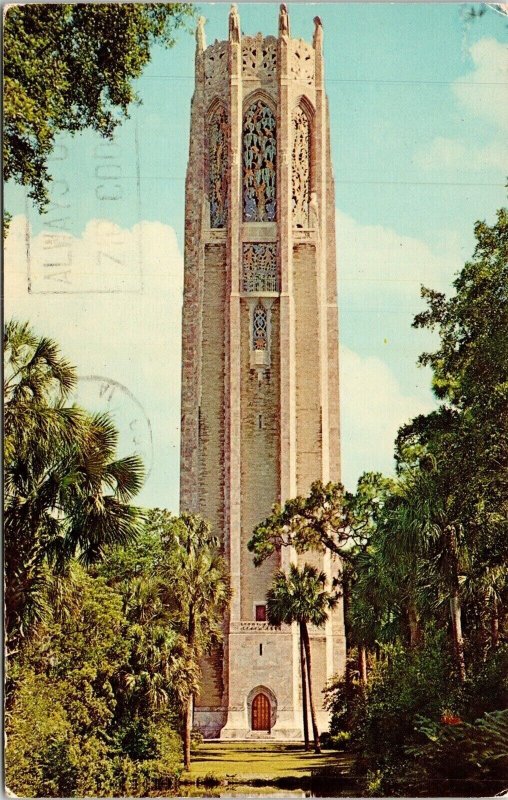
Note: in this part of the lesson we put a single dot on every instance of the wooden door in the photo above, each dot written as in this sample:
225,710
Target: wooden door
261,713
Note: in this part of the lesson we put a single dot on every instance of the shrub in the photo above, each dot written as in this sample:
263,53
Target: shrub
336,741
473,754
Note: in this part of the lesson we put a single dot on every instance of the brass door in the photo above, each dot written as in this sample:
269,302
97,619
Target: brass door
261,713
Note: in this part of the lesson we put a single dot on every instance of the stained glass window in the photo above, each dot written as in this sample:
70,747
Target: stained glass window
260,328
218,168
259,163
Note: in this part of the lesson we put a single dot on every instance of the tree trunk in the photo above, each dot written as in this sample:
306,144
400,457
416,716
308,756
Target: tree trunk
187,730
414,625
315,732
494,623
458,641
362,666
348,675
189,706
455,607
304,692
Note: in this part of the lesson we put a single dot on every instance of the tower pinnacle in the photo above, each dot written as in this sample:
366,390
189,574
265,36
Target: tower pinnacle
283,21
317,39
200,35
234,24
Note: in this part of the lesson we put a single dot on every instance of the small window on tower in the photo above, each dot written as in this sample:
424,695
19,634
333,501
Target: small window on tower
260,328
261,613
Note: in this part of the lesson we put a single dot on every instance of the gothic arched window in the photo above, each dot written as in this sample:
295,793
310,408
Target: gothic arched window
259,163
218,168
300,168
260,328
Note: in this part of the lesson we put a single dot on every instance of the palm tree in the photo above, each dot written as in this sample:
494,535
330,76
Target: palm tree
422,530
159,669
301,596
65,493
197,579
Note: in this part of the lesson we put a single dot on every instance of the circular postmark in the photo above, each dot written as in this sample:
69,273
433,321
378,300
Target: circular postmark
96,393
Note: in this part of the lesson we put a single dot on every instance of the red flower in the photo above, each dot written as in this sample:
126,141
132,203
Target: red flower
450,719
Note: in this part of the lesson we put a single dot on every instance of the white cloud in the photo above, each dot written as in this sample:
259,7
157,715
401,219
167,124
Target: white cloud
373,407
130,333
483,91
454,154
389,265
380,273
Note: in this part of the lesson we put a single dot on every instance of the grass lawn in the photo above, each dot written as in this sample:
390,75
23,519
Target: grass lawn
241,762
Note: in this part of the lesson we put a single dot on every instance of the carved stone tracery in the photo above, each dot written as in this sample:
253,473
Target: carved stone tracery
300,168
259,268
302,61
259,57
218,168
260,328
216,66
259,163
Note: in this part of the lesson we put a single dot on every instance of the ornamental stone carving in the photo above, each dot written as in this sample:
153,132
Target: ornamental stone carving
283,21
302,62
258,626
300,168
259,163
217,134
200,34
260,328
259,268
259,57
216,66
234,25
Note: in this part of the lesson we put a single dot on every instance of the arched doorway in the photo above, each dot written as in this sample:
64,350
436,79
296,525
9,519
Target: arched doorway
261,713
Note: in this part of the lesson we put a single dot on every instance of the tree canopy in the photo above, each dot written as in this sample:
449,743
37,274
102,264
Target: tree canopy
66,494
70,67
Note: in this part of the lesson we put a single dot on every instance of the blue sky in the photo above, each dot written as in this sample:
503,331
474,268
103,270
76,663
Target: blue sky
419,120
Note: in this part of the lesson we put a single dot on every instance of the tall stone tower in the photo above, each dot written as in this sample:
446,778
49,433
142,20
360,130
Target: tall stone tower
260,382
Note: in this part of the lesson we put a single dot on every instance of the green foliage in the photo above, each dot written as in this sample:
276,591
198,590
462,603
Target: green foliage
66,494
471,365
476,754
428,590
345,698
337,741
487,687
408,683
71,67
328,518
109,610
467,438
299,596
74,727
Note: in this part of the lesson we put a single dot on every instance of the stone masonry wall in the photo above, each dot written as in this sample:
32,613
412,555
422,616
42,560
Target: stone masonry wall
211,425
260,452
308,416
